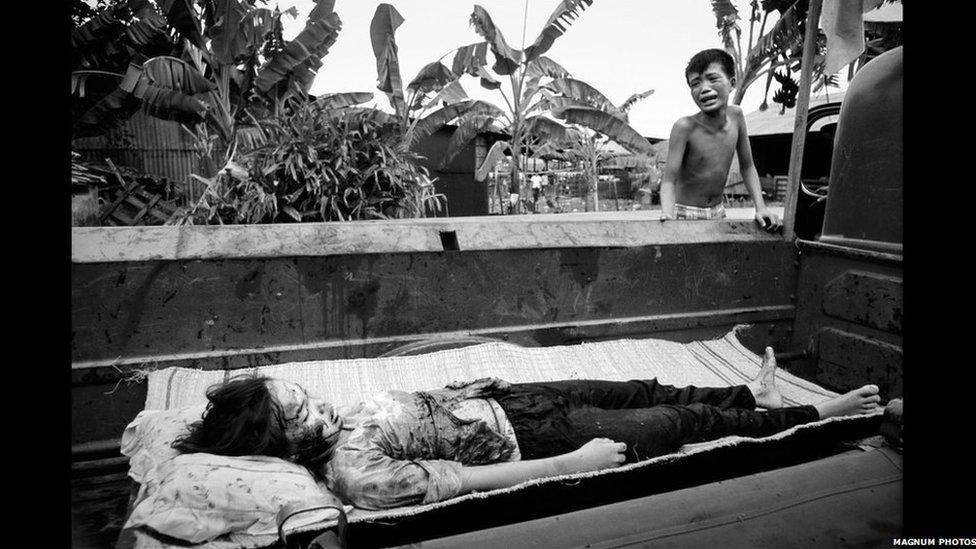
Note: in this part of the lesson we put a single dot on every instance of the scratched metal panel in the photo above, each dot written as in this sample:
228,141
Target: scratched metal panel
829,297
161,308
865,298
158,308
847,361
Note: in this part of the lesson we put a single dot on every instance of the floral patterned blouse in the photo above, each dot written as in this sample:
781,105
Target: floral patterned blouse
408,448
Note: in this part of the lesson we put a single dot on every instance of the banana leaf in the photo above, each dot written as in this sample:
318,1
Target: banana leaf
255,25
626,105
437,119
312,43
226,39
609,125
104,25
507,59
140,8
450,94
470,58
96,40
300,79
469,126
367,113
433,77
785,35
530,89
176,74
535,71
555,26
170,104
550,151
321,10
495,153
581,91
160,85
108,82
724,9
548,128
109,112
488,81
543,66
555,103
382,35
182,17
726,17
148,31
341,100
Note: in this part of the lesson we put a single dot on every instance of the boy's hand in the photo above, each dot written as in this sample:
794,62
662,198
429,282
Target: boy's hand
768,220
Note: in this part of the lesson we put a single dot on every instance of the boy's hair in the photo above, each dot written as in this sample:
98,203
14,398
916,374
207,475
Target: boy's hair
242,418
701,60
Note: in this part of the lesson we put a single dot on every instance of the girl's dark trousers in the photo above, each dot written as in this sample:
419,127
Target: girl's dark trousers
653,419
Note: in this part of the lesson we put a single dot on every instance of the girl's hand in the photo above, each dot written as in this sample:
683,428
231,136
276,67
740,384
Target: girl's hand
595,455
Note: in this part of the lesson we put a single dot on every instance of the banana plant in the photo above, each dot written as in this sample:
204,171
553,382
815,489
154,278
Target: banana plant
542,95
432,99
769,52
588,146
227,66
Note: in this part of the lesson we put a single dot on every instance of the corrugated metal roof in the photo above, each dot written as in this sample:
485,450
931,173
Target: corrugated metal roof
771,122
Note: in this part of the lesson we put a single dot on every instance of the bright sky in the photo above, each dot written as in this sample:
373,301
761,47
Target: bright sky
618,46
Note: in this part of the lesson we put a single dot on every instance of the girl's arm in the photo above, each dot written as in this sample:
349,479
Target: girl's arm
597,454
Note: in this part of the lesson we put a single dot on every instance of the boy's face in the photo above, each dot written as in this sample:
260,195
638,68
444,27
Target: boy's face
710,89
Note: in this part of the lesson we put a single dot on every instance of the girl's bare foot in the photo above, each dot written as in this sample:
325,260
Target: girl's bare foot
860,401
764,388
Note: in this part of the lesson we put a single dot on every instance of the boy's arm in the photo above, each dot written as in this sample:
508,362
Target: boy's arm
676,152
764,216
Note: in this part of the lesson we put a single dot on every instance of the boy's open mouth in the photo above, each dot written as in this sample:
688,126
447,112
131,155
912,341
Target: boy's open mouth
708,99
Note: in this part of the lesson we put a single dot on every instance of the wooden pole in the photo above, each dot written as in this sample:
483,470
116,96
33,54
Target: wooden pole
800,124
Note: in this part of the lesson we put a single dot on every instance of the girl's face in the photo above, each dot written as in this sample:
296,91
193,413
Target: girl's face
304,414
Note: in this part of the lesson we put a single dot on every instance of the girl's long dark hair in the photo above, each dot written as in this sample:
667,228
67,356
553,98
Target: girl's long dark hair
242,418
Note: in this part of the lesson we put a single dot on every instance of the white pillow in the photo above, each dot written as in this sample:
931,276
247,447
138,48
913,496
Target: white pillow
148,439
198,497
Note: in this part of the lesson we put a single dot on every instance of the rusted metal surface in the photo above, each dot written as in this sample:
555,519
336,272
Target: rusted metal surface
849,314
233,313
171,307
865,298
848,361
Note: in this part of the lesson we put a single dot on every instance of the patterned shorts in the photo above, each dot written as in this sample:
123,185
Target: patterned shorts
694,212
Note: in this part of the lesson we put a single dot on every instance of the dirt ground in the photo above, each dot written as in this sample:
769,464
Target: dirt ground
735,209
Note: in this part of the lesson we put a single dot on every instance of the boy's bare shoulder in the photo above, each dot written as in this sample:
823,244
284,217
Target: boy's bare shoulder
736,111
684,124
